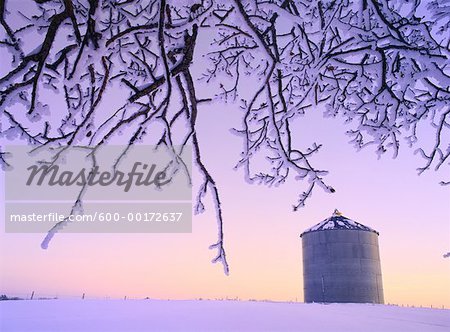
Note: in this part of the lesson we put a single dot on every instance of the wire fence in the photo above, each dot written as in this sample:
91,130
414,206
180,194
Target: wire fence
56,296
33,295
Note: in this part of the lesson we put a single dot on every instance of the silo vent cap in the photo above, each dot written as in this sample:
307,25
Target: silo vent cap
338,221
337,213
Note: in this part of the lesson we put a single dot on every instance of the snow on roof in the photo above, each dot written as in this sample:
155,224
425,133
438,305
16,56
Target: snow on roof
338,221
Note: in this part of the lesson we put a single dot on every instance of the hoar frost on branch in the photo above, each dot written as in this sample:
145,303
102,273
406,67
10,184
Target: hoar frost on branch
383,65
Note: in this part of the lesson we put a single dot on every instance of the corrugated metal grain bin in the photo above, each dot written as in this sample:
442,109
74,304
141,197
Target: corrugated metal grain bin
341,262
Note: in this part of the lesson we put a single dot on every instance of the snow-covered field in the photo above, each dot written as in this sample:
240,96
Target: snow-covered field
159,315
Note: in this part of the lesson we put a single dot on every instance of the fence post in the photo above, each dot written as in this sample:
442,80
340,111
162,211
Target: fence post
32,295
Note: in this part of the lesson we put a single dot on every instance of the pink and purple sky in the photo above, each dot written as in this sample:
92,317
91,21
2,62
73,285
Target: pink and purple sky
411,212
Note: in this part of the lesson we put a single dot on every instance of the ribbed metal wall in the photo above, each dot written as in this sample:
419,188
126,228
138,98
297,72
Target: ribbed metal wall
342,265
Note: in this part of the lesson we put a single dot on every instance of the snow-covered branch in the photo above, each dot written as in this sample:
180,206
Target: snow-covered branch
381,65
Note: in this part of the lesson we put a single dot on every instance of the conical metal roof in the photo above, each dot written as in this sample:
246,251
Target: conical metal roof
338,221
